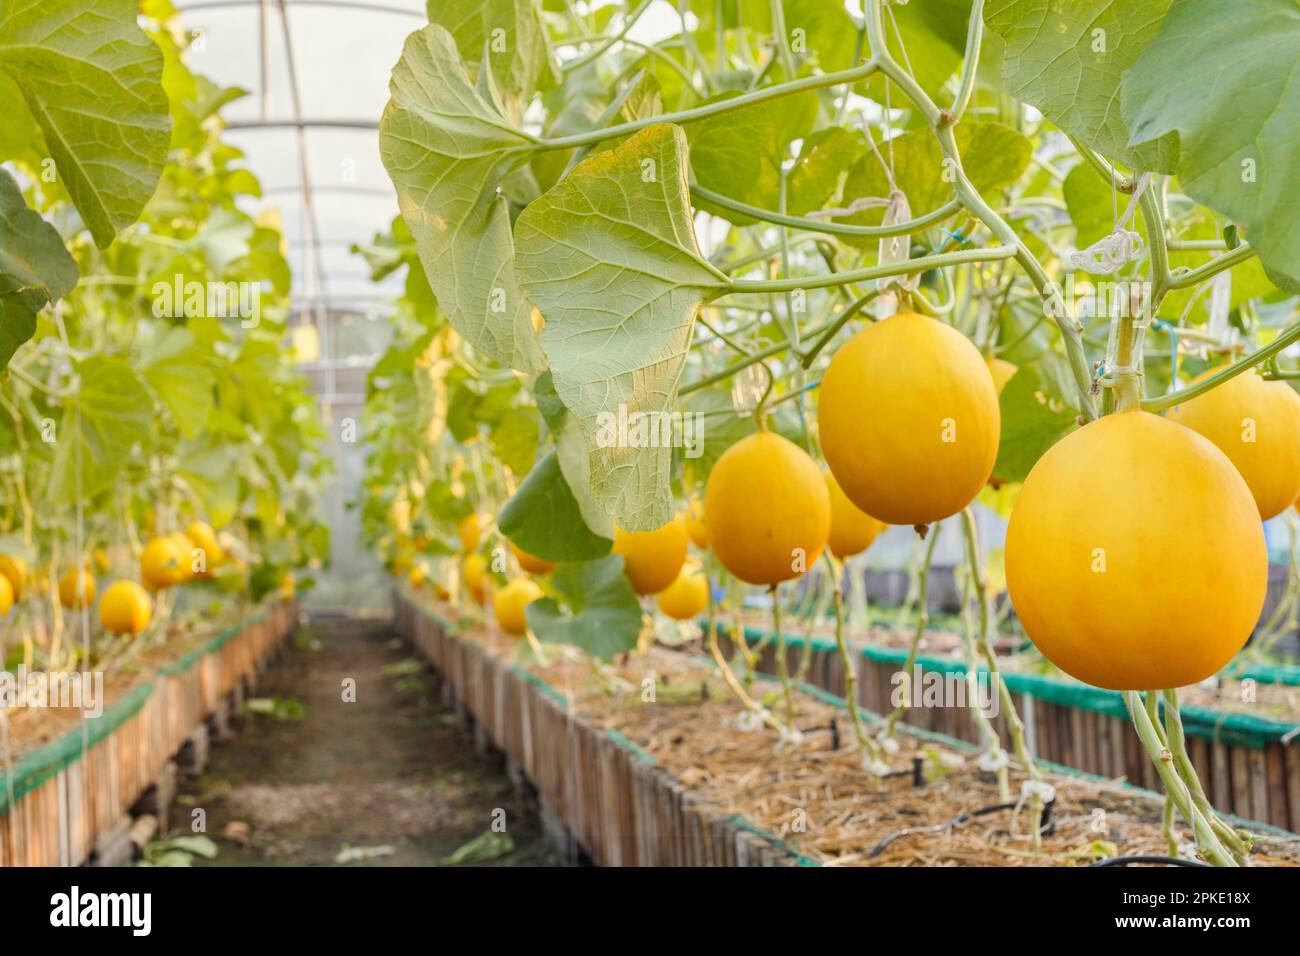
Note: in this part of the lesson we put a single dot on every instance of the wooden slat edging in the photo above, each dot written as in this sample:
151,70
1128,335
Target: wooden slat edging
622,807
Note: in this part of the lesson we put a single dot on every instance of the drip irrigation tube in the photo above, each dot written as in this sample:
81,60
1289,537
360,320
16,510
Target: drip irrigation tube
957,821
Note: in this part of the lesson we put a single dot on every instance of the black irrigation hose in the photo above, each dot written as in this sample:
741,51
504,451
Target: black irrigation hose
958,821
1167,860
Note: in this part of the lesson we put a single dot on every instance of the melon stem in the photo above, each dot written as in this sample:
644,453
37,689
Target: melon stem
922,620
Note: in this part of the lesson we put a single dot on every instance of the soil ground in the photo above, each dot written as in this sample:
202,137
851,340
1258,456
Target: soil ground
392,779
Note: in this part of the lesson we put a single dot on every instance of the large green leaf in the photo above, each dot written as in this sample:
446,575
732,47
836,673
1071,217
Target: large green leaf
35,268
739,154
1220,80
447,150
1036,413
17,321
212,470
609,256
173,366
515,438
600,613
1067,60
823,158
543,517
108,415
93,81
934,39
571,452
824,31
32,254
510,31
1090,204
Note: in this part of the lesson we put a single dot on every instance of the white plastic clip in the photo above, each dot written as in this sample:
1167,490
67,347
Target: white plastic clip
991,761
874,765
1044,790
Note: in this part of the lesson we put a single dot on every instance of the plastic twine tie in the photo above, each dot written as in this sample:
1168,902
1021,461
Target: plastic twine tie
991,761
1111,253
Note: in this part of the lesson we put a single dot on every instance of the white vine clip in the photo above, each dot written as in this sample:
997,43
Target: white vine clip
790,737
750,721
1044,790
991,761
1111,253
874,765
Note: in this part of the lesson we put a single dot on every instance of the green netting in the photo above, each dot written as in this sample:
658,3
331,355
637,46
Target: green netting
40,765
1287,674
1235,729
190,658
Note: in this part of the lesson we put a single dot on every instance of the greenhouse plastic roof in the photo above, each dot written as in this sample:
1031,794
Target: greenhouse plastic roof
316,72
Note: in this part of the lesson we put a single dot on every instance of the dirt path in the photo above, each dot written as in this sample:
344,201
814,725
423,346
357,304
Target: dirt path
393,775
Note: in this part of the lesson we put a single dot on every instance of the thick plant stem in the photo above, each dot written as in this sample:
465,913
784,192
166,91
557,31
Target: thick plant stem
1015,725
910,267
873,750
1288,336
729,676
818,613
1183,765
1167,818
782,665
1147,729
828,226
750,654
988,735
922,620
762,95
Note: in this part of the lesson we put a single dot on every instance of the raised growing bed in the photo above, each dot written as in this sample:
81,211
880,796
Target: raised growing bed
612,796
1248,762
77,784
676,782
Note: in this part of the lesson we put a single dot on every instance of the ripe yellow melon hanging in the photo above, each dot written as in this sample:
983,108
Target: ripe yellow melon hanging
1257,425
77,588
1135,556
767,509
695,525
510,602
1001,370
688,596
201,535
164,563
531,563
468,531
6,595
474,574
852,529
651,559
909,421
14,570
125,608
